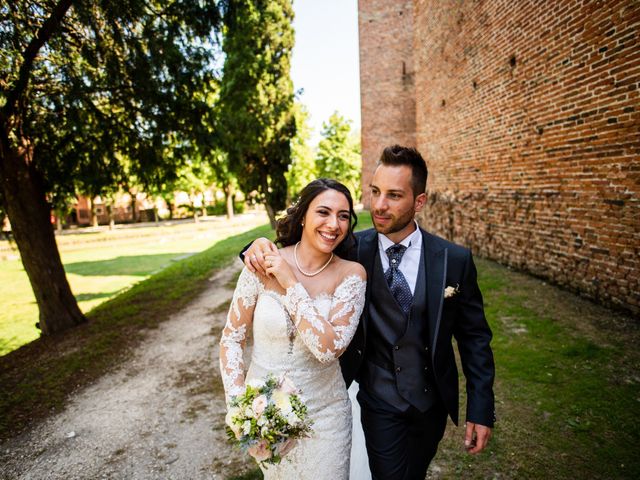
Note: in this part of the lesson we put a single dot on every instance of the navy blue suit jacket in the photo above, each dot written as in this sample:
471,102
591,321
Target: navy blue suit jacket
460,316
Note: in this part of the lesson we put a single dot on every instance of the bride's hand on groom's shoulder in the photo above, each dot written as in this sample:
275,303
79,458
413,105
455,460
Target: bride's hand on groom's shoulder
278,267
254,255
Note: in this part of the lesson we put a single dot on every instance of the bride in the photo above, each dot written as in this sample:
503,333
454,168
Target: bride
303,312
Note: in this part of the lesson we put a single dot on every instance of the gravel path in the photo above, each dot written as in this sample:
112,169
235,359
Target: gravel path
159,416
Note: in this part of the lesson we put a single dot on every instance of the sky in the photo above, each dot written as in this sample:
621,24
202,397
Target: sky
325,60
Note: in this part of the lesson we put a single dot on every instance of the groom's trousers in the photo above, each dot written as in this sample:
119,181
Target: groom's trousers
400,444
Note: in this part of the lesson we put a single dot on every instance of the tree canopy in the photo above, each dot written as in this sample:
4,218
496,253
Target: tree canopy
302,168
339,153
83,87
256,120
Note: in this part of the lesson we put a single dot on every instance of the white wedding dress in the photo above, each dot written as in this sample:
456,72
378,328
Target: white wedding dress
303,337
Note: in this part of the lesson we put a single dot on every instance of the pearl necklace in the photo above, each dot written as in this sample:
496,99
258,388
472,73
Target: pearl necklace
307,274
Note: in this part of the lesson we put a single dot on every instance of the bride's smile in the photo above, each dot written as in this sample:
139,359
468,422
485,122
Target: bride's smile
326,224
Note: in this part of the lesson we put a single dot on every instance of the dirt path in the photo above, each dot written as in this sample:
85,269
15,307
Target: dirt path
159,416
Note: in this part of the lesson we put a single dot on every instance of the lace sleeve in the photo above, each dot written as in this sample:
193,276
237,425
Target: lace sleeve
234,335
328,337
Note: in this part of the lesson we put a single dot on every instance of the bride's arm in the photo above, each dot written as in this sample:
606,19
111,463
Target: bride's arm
234,335
328,337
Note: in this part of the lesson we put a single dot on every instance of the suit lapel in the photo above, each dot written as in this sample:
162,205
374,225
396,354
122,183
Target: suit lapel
436,265
367,251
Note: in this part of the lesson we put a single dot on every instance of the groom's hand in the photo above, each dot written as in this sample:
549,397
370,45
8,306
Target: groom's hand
254,255
476,437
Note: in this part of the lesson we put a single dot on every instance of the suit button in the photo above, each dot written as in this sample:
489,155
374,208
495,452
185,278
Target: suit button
426,349
426,369
359,352
396,347
426,390
398,369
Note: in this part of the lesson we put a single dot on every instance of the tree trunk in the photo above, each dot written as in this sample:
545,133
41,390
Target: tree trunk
196,217
112,220
134,219
270,210
28,211
228,191
272,215
94,217
156,219
59,222
170,207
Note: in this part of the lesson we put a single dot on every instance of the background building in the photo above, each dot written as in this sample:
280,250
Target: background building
527,113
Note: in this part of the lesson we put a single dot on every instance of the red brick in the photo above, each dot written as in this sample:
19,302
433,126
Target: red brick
524,167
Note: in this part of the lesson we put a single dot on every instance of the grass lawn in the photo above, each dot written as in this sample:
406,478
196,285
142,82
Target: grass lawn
567,387
100,265
37,378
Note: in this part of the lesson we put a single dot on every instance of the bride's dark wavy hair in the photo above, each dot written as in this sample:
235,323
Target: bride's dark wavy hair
289,227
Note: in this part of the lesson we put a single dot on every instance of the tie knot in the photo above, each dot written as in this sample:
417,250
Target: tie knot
395,254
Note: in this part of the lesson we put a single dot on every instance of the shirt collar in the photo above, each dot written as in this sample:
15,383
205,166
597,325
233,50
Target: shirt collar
413,240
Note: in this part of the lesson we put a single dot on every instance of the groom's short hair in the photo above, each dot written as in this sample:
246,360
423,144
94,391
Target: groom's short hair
396,155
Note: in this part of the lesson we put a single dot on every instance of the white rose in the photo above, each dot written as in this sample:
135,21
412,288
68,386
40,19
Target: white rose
246,427
292,418
281,400
231,413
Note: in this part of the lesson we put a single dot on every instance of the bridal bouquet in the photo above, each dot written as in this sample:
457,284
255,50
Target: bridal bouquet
266,420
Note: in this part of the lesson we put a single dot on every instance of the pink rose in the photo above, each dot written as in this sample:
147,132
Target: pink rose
286,446
259,404
260,451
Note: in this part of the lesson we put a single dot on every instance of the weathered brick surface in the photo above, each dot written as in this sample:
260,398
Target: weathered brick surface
386,79
528,115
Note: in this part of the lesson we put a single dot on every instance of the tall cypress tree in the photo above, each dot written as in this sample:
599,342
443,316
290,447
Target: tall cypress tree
256,120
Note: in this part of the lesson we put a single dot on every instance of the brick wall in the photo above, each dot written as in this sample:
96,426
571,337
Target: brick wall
528,115
386,79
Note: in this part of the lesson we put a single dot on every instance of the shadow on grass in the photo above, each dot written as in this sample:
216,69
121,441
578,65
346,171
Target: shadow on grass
85,297
136,265
7,344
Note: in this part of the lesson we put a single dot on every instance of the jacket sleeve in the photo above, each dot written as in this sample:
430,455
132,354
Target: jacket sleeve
473,337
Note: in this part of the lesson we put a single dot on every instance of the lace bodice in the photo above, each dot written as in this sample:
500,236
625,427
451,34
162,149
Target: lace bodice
294,331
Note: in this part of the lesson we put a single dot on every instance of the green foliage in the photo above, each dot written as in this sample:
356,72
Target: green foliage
256,121
339,154
94,96
116,82
220,208
302,169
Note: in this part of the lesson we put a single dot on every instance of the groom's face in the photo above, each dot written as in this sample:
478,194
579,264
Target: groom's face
393,204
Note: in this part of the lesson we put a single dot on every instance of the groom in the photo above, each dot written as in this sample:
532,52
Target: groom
421,291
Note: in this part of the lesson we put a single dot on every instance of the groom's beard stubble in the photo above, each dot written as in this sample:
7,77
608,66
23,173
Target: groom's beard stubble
395,225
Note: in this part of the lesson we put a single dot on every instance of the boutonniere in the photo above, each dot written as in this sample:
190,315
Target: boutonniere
451,291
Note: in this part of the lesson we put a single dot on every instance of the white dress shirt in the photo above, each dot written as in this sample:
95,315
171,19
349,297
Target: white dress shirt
410,262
